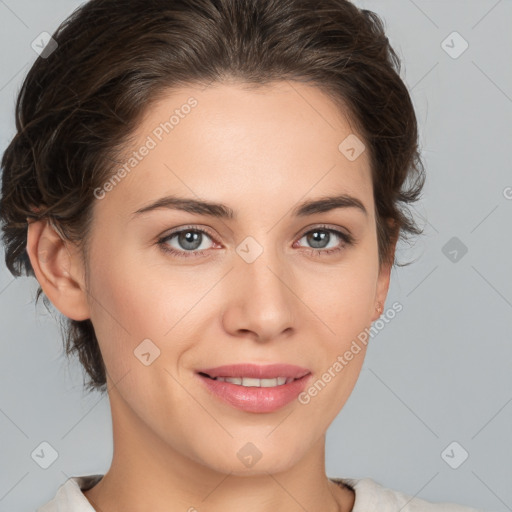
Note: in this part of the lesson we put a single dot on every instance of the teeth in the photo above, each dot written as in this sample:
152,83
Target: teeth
250,382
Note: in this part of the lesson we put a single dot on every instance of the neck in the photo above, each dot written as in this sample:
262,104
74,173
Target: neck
148,474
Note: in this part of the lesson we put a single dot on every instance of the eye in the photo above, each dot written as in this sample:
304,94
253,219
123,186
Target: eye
188,241
321,236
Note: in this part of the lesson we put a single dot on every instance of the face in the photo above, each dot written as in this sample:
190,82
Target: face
174,291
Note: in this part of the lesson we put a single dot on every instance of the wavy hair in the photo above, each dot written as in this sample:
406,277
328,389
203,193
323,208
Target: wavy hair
78,106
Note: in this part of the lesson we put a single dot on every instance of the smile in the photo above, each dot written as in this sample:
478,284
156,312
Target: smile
252,382
265,390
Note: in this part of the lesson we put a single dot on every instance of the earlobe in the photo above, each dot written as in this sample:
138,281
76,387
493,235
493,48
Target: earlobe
382,290
55,269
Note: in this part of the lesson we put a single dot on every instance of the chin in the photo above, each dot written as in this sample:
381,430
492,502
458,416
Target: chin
251,459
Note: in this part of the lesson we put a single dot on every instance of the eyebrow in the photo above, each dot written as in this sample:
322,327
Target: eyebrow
200,207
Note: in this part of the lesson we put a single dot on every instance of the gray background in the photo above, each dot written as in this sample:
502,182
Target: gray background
440,371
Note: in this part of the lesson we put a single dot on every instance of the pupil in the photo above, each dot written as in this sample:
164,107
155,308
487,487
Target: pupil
190,237
318,237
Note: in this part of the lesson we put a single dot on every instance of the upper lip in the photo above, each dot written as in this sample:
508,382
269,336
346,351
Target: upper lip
270,371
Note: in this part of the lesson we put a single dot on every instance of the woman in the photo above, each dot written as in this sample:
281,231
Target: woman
209,191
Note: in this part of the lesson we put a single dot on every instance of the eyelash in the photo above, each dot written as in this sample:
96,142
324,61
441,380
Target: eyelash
346,238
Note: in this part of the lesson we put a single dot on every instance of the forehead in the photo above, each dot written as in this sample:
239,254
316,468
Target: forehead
231,142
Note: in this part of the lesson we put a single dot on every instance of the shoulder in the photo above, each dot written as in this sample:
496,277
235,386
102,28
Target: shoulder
370,495
69,496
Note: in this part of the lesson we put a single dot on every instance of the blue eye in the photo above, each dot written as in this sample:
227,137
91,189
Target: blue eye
320,235
190,239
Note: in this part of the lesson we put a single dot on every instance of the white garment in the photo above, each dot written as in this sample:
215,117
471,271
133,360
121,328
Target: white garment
369,496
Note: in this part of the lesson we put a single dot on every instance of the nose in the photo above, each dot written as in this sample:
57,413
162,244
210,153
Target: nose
261,300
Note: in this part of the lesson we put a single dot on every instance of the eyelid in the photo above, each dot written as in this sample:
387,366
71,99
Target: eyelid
327,227
191,227
346,239
300,234
164,238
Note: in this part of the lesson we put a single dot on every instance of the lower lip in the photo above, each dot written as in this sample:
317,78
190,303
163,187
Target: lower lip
256,399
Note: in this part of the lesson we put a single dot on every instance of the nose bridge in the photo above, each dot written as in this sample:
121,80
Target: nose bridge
262,300
262,267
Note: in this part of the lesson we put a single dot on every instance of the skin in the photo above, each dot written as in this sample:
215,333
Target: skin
260,152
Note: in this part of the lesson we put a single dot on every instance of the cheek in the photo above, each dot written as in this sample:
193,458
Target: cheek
342,296
133,301
129,295
124,305
343,300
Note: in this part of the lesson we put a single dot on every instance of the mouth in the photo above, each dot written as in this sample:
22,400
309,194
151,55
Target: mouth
253,375
250,382
255,388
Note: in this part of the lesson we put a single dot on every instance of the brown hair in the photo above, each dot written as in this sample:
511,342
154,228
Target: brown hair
79,105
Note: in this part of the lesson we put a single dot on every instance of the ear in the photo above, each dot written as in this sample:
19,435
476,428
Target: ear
384,277
58,269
